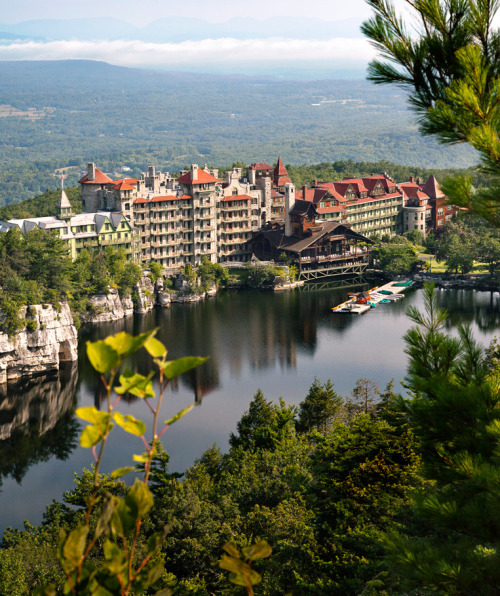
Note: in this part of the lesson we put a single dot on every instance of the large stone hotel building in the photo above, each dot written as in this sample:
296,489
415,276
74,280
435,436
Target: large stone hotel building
179,221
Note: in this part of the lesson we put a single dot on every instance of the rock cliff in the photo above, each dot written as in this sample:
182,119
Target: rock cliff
108,307
53,340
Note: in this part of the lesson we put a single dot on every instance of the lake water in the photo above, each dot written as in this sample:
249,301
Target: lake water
276,342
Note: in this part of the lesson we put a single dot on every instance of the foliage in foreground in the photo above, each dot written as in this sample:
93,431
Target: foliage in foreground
336,486
448,60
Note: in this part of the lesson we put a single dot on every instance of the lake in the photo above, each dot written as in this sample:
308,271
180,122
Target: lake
276,342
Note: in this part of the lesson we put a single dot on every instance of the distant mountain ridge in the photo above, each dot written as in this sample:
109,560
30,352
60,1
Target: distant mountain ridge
178,29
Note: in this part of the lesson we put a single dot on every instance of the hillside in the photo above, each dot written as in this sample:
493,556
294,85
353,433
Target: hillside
59,114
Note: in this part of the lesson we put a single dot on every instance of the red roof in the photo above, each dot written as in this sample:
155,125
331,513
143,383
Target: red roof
412,190
431,187
123,186
99,178
127,180
282,180
260,166
357,184
202,178
280,169
236,198
141,200
336,209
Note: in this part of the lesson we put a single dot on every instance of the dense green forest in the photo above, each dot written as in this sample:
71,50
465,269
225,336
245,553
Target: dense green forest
35,268
91,111
355,494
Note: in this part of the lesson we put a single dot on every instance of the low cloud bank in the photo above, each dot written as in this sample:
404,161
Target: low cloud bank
224,50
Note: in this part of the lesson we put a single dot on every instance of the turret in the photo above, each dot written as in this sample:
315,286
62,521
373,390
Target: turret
289,204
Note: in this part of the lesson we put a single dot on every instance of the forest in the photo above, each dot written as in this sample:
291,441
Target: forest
119,117
340,495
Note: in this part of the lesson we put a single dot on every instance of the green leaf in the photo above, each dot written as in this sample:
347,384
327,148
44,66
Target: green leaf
156,540
125,344
102,356
93,415
140,498
108,508
91,435
130,424
155,348
136,384
260,550
174,368
140,458
116,561
118,473
155,573
164,592
241,580
231,550
179,415
231,564
74,547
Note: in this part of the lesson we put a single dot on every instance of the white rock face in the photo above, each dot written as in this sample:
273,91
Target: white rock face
146,297
106,307
28,353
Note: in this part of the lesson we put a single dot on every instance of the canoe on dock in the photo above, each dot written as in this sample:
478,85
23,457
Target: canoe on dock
385,294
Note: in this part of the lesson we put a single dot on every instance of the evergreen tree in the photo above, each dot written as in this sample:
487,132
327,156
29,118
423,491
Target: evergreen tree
264,425
451,67
320,407
455,415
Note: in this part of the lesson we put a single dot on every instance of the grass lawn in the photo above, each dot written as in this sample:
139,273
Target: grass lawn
440,267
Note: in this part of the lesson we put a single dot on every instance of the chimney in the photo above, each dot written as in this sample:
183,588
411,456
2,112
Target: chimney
315,182
412,179
90,172
304,192
194,172
289,203
151,171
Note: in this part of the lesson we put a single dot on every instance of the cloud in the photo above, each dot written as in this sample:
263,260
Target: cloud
221,51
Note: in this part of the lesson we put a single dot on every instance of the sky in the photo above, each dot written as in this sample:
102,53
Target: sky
232,54
146,11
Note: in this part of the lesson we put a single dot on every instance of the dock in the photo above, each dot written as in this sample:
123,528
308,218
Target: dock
385,294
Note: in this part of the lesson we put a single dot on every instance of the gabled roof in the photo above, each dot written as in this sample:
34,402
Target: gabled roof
260,166
296,244
356,183
282,180
99,178
431,188
412,190
127,180
302,207
202,178
122,185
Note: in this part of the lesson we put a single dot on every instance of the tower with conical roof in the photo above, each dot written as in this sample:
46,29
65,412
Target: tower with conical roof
280,175
64,210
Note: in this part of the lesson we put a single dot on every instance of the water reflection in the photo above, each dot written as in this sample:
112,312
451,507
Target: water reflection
469,306
237,330
37,421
